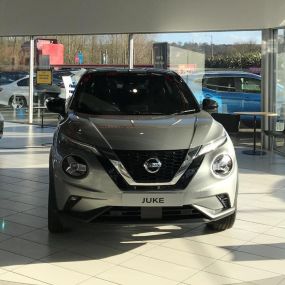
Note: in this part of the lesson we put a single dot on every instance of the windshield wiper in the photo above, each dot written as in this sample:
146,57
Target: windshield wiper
145,113
185,112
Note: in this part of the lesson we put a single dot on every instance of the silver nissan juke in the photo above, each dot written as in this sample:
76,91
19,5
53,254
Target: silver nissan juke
134,145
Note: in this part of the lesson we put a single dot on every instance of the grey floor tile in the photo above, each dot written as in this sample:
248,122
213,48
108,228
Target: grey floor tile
38,212
256,261
126,276
51,274
11,278
183,258
27,220
10,261
160,268
6,212
14,229
78,263
31,200
238,271
209,278
26,248
197,247
15,206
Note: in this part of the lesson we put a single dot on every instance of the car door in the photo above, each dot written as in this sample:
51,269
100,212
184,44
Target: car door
22,87
223,90
250,90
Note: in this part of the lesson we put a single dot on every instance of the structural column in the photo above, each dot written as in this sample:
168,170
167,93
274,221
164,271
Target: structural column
131,51
269,49
31,89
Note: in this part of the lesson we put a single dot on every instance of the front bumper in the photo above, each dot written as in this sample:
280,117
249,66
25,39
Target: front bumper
98,191
146,215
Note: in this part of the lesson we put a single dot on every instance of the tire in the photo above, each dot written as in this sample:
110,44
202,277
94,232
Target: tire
20,103
223,224
54,222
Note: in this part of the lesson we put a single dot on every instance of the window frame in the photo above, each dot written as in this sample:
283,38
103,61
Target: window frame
205,78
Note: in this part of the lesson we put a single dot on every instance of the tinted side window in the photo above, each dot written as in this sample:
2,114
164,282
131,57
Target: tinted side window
23,82
250,85
219,83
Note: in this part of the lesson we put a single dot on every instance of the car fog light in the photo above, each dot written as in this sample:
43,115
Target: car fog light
75,166
222,165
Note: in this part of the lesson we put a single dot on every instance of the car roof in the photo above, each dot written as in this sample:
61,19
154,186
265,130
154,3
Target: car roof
133,70
226,74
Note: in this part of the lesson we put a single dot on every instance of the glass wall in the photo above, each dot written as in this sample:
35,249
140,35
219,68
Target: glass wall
68,57
212,64
280,90
224,66
14,82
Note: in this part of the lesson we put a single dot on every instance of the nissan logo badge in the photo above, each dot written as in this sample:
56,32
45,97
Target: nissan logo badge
152,165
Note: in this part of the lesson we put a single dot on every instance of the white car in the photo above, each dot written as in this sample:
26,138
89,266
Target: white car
16,94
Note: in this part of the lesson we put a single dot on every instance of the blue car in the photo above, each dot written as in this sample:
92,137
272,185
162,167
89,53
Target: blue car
234,91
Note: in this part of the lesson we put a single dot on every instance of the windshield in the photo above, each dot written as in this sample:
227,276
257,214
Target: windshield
130,93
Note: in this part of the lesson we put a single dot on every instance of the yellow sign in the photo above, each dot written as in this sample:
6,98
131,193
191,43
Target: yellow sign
44,77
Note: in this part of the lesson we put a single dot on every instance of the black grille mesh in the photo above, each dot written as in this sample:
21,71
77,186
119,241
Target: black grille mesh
133,161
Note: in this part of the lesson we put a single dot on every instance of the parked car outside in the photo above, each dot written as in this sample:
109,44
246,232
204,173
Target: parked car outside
235,91
16,94
12,75
5,81
135,144
74,75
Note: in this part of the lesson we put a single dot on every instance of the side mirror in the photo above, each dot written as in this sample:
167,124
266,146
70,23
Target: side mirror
209,105
56,105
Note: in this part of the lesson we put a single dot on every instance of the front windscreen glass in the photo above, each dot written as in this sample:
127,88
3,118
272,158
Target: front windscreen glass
131,93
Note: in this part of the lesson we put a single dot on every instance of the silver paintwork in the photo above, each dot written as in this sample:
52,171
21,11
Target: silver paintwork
83,135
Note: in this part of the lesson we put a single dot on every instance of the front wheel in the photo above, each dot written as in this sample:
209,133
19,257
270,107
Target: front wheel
18,102
223,224
54,222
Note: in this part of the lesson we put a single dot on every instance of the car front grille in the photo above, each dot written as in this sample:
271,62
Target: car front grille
118,179
133,161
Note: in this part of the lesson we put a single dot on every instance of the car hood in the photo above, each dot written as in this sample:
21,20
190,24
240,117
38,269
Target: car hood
143,132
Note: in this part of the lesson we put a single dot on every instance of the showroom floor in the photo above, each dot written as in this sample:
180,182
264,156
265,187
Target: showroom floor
253,252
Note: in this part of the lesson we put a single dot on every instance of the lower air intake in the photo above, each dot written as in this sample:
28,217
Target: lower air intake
106,214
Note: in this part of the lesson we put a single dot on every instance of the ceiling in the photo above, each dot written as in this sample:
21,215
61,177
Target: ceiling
49,17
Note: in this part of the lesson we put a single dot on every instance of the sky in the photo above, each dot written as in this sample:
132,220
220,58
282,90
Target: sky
217,37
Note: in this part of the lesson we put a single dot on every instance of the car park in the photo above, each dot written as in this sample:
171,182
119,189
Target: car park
134,144
16,94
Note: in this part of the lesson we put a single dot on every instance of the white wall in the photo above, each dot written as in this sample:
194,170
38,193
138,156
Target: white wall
43,17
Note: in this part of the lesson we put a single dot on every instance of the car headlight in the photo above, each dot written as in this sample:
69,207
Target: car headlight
222,165
66,142
75,166
213,144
